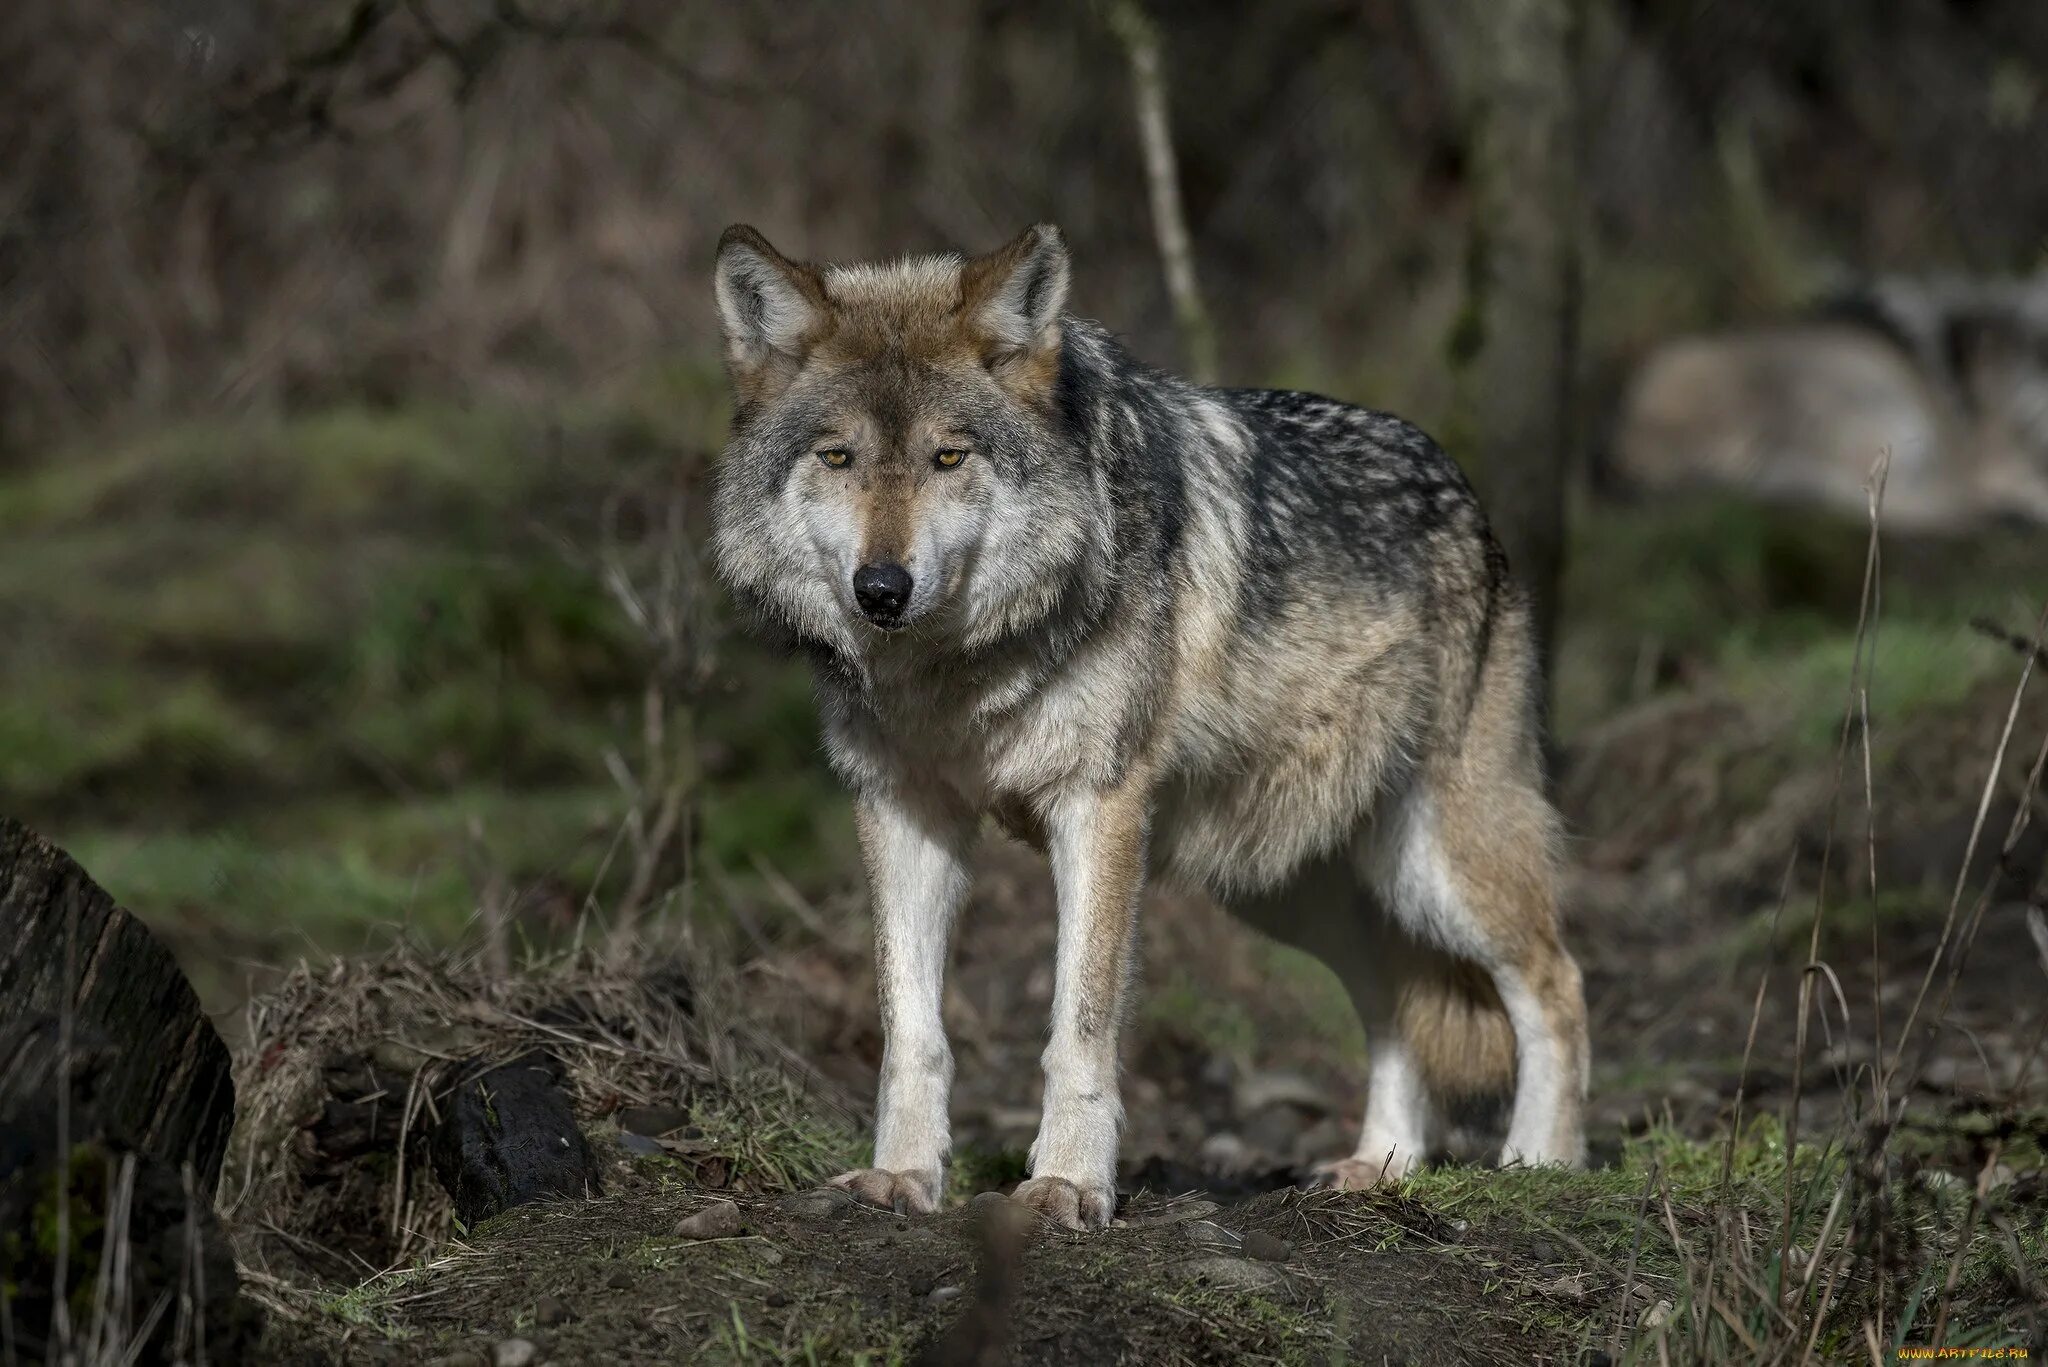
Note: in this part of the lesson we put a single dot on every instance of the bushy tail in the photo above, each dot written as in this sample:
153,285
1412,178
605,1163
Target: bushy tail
1456,1029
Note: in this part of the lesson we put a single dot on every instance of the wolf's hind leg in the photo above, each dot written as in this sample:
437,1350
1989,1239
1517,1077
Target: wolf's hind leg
1468,870
1324,911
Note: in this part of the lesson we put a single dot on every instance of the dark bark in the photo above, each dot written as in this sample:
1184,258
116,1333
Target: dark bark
161,1083
1514,351
115,1107
508,1136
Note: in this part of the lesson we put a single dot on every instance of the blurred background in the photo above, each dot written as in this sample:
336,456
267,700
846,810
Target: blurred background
359,389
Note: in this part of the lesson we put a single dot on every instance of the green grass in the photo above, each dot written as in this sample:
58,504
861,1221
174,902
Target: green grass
1764,601
265,676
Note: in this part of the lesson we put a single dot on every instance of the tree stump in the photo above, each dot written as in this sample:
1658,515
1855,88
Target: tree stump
115,1107
66,950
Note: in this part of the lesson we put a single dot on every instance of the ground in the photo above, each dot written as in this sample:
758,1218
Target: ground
311,687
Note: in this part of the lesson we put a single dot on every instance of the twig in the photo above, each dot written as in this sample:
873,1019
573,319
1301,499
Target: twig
1970,850
1162,178
2019,643
1862,658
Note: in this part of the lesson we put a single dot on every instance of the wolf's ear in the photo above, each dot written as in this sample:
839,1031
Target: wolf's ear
770,306
1013,296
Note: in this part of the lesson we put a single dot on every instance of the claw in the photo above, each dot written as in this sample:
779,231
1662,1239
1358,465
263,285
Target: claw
1068,1204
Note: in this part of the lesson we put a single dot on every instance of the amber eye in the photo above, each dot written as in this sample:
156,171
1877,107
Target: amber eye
836,457
949,459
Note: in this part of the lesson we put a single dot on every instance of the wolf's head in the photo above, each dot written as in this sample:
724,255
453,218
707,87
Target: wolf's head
898,457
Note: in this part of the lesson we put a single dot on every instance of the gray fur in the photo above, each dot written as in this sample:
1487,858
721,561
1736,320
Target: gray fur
1260,642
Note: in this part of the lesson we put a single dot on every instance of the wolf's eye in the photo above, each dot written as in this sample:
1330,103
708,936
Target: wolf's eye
837,457
949,459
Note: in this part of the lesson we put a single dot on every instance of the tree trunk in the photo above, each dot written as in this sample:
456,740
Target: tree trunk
1514,349
75,967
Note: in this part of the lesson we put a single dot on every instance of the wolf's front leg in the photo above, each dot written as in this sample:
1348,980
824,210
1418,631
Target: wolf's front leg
916,851
1097,844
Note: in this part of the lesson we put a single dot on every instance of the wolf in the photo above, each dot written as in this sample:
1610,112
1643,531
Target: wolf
1255,642
1946,378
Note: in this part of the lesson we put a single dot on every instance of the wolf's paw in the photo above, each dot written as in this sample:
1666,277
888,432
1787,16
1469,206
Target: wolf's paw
906,1193
1073,1205
1359,1174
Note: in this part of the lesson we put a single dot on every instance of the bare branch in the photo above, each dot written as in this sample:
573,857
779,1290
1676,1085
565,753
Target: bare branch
1162,177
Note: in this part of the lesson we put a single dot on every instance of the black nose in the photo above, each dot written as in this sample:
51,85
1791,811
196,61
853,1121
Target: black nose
882,590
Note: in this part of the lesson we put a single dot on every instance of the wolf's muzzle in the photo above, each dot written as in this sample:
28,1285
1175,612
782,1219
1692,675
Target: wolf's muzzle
883,592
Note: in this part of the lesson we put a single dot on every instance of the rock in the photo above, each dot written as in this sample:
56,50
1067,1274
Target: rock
820,1203
653,1120
1209,1234
943,1295
550,1311
1235,1274
769,1254
1542,1251
776,1299
1276,1131
621,1279
96,1021
464,1358
507,1136
719,1220
162,1083
640,1145
514,1353
1224,1152
1571,1287
1657,1316
1940,1073
1267,1248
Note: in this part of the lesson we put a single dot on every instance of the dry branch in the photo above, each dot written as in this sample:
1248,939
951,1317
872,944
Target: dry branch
1162,179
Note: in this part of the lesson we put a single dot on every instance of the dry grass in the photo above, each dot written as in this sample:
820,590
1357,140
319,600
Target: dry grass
1862,1257
650,1034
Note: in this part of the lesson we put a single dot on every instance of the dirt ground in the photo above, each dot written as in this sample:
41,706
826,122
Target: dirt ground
1244,1066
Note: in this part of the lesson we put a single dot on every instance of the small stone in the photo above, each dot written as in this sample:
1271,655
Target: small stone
462,1358
620,1280
1209,1234
1267,1248
769,1254
1657,1316
550,1311
987,1199
1224,1153
514,1353
719,1220
1236,1274
1941,1072
942,1295
1542,1250
820,1203
776,1299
